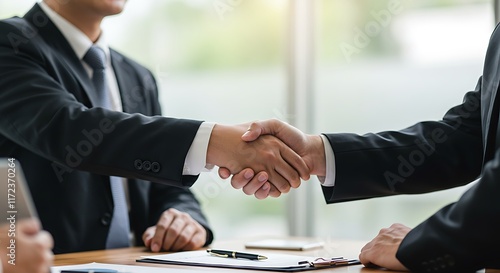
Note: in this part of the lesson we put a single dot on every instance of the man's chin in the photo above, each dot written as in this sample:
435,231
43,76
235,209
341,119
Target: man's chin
116,6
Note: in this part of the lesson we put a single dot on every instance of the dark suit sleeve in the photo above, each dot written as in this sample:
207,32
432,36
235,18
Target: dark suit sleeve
430,156
38,114
461,237
426,157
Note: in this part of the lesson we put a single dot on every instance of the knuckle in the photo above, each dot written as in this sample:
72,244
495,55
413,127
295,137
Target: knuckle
182,240
295,179
174,231
161,225
269,155
236,184
185,216
247,191
383,230
172,211
284,188
190,246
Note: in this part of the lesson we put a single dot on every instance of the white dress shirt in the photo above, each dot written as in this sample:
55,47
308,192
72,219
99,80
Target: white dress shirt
195,160
329,179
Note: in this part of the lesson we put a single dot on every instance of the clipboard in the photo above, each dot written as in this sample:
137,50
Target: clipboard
275,262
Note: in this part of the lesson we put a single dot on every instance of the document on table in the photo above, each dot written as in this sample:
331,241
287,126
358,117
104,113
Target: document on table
116,268
274,262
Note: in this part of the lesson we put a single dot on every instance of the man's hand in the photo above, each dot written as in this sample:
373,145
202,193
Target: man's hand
381,251
175,231
309,147
33,248
283,166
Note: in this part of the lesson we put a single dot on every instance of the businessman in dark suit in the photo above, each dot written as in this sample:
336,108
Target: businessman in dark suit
429,156
81,118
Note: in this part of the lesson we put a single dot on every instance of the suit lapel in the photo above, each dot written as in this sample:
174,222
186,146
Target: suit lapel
53,37
488,118
125,76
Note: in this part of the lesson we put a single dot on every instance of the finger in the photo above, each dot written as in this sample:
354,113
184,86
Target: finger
184,237
255,184
161,229
174,231
284,177
45,262
369,245
292,158
147,236
274,192
364,258
279,182
259,128
263,192
45,239
224,173
49,258
198,240
253,132
242,178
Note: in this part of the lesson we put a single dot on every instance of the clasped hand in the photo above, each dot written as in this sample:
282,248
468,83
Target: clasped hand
267,158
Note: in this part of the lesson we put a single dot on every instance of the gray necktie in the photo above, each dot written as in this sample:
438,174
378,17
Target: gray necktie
119,228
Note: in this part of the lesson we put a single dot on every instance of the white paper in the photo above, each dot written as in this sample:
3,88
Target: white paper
201,257
124,268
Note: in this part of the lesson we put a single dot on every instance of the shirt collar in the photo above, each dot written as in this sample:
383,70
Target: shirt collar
75,37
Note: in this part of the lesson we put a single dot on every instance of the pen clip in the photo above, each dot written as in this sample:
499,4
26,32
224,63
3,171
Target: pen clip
322,262
219,255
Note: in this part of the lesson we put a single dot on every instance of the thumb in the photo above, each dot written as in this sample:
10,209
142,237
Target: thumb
147,236
29,226
224,173
258,128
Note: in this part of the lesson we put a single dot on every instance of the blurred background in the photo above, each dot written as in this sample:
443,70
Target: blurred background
324,65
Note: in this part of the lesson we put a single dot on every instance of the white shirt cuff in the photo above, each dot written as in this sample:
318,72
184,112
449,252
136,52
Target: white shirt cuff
329,179
196,158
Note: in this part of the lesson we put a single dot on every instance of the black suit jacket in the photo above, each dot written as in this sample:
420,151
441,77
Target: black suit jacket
429,156
68,148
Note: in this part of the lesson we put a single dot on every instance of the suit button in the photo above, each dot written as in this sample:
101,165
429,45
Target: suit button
138,164
106,219
155,167
146,165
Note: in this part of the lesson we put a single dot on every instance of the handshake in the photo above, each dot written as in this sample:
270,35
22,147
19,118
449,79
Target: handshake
266,158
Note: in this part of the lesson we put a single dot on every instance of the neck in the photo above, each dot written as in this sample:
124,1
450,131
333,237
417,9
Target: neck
87,22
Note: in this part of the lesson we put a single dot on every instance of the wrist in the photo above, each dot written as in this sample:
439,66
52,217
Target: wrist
214,149
224,141
317,153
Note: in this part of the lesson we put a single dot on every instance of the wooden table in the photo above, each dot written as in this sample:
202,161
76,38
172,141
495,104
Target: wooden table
127,256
